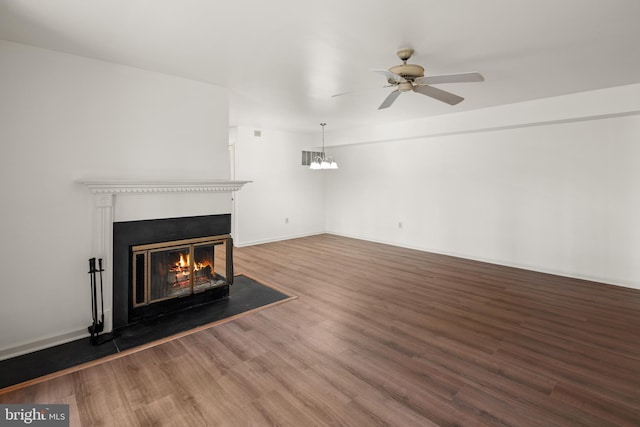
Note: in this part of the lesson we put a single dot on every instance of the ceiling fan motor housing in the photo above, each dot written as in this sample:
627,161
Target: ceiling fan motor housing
408,71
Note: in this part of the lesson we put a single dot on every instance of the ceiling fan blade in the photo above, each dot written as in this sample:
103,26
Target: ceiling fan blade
342,93
450,78
439,94
392,77
354,91
389,99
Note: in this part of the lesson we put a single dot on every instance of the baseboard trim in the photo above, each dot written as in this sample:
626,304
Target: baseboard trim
275,239
537,269
41,344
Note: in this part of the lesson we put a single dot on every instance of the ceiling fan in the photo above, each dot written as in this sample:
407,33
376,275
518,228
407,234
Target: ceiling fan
410,77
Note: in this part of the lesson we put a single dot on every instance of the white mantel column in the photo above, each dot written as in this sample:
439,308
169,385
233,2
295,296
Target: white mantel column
103,248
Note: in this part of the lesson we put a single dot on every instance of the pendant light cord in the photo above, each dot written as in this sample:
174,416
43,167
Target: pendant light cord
323,125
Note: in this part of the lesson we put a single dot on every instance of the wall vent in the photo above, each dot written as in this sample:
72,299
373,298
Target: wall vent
308,156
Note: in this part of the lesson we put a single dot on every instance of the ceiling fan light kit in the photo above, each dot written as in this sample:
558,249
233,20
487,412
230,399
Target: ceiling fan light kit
322,161
411,78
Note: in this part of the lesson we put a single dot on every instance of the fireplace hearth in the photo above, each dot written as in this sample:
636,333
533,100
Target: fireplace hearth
165,265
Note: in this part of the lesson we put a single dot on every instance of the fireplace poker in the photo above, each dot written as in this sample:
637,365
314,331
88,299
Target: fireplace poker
101,295
94,309
97,326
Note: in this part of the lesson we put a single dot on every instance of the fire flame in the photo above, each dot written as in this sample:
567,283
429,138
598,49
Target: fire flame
183,262
182,265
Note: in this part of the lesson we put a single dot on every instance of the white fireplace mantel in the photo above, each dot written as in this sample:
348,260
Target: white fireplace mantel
120,186
106,191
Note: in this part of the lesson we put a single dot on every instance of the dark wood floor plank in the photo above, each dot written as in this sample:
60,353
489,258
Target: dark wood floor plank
381,335
612,410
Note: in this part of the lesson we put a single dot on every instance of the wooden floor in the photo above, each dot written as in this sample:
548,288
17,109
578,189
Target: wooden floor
381,335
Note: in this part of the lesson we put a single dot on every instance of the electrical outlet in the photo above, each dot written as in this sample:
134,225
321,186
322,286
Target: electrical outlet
286,220
400,224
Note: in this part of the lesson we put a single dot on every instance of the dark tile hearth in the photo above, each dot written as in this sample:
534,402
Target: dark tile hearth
245,294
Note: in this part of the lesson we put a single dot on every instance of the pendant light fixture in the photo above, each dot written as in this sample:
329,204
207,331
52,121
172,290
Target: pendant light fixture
322,161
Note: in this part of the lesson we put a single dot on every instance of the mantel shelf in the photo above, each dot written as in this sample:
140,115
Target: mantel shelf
173,186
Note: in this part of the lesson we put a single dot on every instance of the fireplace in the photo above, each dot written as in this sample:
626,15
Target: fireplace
166,270
165,265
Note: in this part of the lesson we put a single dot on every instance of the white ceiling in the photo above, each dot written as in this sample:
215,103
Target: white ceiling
283,59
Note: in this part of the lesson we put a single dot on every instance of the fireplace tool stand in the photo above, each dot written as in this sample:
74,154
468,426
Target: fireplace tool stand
98,324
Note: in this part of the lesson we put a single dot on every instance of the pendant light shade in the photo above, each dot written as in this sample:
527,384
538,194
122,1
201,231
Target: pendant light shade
322,161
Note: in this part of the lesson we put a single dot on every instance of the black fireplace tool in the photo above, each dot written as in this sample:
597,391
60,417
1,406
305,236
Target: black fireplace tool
98,324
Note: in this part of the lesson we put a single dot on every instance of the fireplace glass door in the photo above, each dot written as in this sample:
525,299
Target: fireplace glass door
175,269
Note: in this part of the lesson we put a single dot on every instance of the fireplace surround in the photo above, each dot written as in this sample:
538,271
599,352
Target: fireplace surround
164,265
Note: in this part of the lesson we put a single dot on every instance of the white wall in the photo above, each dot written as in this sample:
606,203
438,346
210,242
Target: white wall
551,185
64,118
281,188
